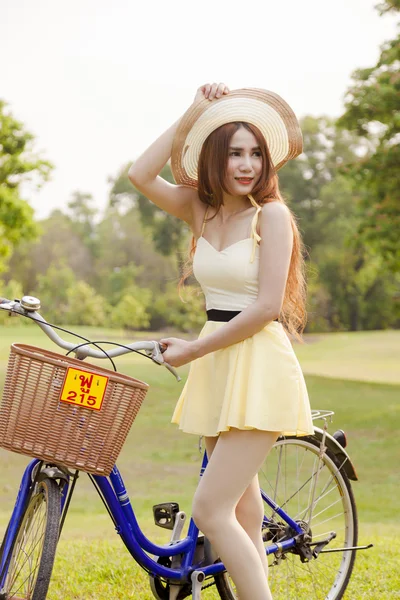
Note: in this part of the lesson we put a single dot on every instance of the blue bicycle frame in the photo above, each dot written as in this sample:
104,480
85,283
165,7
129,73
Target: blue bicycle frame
116,498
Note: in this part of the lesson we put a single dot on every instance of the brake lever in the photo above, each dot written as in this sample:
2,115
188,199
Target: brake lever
6,304
157,356
10,305
173,371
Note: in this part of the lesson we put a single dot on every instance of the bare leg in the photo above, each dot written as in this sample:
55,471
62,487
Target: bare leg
234,463
250,514
249,510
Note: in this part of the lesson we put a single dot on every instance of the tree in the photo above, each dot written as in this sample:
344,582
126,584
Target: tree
11,290
83,218
120,279
53,287
85,307
311,184
186,314
66,300
132,311
353,291
122,242
373,112
168,232
388,6
18,164
345,276
59,243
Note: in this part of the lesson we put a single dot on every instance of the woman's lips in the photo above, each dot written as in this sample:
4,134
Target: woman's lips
245,180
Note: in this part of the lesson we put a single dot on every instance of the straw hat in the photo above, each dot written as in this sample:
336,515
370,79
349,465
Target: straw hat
266,110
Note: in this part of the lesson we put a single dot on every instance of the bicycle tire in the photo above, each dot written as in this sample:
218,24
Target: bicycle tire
298,581
33,550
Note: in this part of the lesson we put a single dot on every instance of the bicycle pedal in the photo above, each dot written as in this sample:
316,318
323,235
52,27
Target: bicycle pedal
165,514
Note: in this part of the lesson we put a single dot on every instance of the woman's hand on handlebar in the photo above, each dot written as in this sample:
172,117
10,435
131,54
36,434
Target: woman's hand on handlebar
178,352
163,347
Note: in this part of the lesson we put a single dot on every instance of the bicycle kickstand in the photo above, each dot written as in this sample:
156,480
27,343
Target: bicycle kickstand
197,582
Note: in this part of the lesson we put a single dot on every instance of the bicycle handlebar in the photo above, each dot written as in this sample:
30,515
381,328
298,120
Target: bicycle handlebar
28,307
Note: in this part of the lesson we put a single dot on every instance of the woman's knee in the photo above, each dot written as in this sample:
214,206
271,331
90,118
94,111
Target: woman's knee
205,514
200,509
250,513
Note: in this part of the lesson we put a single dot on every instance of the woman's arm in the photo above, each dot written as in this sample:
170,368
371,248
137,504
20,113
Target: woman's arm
275,254
177,200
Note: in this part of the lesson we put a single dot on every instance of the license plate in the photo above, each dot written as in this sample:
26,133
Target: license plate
84,388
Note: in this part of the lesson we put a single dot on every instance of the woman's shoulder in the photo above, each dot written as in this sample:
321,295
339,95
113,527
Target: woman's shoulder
275,207
273,214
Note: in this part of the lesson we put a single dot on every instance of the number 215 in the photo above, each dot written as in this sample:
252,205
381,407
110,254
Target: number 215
90,400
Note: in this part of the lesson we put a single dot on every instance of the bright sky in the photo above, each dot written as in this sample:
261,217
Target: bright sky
97,81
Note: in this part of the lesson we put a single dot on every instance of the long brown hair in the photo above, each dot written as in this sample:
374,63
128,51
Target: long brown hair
212,168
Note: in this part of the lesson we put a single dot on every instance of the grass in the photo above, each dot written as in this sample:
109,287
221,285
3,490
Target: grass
103,569
156,459
357,355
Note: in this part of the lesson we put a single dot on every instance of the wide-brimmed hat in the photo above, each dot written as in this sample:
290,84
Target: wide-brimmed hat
262,108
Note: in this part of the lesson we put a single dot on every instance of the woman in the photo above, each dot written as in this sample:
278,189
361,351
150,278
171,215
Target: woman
245,385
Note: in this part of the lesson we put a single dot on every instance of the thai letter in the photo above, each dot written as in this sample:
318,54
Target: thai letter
86,381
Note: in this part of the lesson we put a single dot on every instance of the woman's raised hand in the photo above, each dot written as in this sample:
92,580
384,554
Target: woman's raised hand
210,91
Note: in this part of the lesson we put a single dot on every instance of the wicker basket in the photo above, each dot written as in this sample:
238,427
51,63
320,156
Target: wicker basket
42,416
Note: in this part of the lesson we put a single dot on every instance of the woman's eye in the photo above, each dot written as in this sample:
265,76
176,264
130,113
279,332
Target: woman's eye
257,154
234,153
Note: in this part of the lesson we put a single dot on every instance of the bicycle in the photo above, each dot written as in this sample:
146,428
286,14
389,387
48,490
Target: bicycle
309,527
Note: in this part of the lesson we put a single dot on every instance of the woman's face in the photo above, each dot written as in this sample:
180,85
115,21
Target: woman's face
244,163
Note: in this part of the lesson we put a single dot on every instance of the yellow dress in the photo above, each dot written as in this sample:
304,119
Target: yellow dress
254,384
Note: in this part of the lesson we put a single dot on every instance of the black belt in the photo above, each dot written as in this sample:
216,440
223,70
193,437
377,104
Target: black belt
215,314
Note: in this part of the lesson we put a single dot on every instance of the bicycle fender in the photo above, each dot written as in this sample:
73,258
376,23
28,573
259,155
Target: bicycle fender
53,473
339,452
341,456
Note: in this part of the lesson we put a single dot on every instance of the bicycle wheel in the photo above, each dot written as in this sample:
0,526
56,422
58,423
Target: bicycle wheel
32,556
300,482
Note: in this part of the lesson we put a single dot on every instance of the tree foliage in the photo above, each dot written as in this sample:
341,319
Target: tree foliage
373,112
186,313
10,290
318,197
84,306
18,164
388,6
109,269
123,241
168,233
133,309
59,243
82,213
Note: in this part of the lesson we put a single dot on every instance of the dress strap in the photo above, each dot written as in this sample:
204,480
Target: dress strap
254,234
204,222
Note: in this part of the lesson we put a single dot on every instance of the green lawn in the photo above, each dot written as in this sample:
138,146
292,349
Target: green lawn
359,355
159,463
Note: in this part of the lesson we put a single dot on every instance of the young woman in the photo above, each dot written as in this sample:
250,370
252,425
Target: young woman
245,386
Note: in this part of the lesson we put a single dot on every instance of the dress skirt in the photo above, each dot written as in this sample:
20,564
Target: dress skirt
254,384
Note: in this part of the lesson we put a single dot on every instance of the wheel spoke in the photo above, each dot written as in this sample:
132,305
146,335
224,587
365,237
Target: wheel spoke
317,595
34,547
29,526
318,499
301,515
27,557
304,482
28,591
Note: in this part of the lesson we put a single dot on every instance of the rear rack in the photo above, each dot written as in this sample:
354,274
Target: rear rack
322,414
